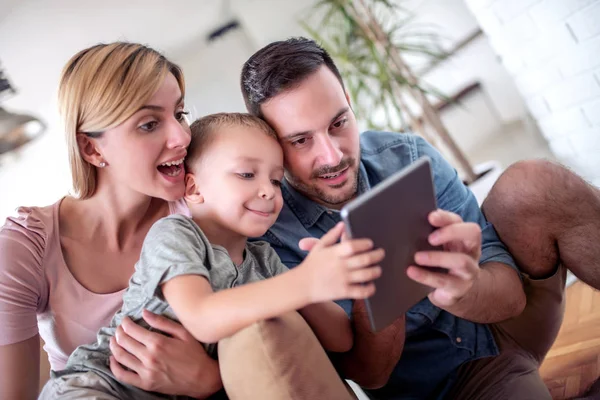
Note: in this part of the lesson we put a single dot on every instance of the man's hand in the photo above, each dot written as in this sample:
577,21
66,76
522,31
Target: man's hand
462,249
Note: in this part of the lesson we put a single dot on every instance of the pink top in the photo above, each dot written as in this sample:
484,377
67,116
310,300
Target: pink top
38,292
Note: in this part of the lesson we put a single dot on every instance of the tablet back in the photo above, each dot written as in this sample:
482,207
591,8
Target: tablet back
394,215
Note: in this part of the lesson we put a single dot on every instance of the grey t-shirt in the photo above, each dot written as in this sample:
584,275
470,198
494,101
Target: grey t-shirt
174,246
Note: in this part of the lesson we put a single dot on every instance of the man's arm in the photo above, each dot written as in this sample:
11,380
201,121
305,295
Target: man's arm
485,295
374,355
497,284
330,324
488,294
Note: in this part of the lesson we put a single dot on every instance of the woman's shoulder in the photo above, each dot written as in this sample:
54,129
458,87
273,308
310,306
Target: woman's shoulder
25,248
30,227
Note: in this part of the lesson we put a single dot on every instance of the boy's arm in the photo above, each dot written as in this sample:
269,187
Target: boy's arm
211,316
330,324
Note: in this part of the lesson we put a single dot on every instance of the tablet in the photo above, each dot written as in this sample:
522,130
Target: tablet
394,215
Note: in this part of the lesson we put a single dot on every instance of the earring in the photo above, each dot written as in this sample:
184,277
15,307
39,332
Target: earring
102,164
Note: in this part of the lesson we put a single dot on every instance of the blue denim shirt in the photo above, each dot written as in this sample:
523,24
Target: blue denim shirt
437,342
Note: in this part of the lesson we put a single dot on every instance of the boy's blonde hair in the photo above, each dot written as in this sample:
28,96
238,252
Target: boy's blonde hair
203,130
100,88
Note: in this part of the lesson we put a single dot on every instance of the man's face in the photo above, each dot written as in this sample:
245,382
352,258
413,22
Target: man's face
320,138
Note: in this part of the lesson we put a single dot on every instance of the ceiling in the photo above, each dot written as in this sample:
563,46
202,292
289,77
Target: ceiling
38,37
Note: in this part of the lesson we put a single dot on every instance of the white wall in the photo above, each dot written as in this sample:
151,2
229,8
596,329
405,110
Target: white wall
552,49
36,40
484,113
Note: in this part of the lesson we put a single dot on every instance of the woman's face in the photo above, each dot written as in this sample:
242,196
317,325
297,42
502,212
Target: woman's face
145,153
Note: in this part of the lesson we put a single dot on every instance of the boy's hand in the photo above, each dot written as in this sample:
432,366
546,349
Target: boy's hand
341,270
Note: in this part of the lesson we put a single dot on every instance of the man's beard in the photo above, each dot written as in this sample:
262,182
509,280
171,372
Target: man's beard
318,194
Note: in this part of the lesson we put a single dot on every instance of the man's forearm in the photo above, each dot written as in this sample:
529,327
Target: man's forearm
374,355
330,324
497,295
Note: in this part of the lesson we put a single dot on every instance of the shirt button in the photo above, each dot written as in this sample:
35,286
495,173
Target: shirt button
458,340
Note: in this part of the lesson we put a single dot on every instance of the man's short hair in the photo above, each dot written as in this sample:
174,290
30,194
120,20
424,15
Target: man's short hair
281,66
204,129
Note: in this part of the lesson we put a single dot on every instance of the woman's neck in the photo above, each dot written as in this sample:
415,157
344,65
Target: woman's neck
117,217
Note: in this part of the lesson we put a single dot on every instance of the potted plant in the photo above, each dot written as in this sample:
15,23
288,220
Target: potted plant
368,39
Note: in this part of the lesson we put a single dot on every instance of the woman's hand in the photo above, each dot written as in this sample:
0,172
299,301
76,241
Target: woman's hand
176,364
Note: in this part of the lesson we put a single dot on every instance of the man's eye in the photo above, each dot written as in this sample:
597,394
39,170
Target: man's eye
299,142
340,123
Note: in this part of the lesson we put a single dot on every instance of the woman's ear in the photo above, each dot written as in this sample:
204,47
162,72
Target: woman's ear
88,150
192,191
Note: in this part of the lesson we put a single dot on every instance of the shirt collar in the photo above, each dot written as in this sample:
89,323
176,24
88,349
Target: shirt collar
308,211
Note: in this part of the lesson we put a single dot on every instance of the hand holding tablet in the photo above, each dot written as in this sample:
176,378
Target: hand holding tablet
394,214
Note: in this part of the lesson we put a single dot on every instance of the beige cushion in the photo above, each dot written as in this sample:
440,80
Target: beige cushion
276,359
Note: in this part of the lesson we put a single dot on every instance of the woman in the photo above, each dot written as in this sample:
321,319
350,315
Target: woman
64,267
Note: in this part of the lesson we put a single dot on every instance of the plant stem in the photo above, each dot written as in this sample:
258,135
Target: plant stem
375,32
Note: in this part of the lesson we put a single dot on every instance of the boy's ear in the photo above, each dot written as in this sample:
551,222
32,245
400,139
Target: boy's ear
192,191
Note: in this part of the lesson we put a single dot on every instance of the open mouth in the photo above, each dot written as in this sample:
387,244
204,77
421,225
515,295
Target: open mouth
171,168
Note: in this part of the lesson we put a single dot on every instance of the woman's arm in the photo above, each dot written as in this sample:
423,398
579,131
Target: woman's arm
330,324
22,288
20,369
170,363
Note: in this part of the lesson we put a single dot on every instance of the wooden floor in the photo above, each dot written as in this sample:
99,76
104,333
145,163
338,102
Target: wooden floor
573,363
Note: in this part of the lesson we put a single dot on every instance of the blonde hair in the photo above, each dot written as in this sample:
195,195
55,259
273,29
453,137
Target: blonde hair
203,129
100,88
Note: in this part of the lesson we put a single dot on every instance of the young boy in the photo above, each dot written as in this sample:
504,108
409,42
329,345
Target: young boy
202,271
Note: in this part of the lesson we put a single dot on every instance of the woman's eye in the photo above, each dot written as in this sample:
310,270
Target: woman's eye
276,182
246,175
181,115
149,126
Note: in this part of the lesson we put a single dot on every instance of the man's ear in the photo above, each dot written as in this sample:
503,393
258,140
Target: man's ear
192,191
88,150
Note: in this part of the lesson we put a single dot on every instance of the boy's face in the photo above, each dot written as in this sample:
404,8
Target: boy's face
238,178
320,138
